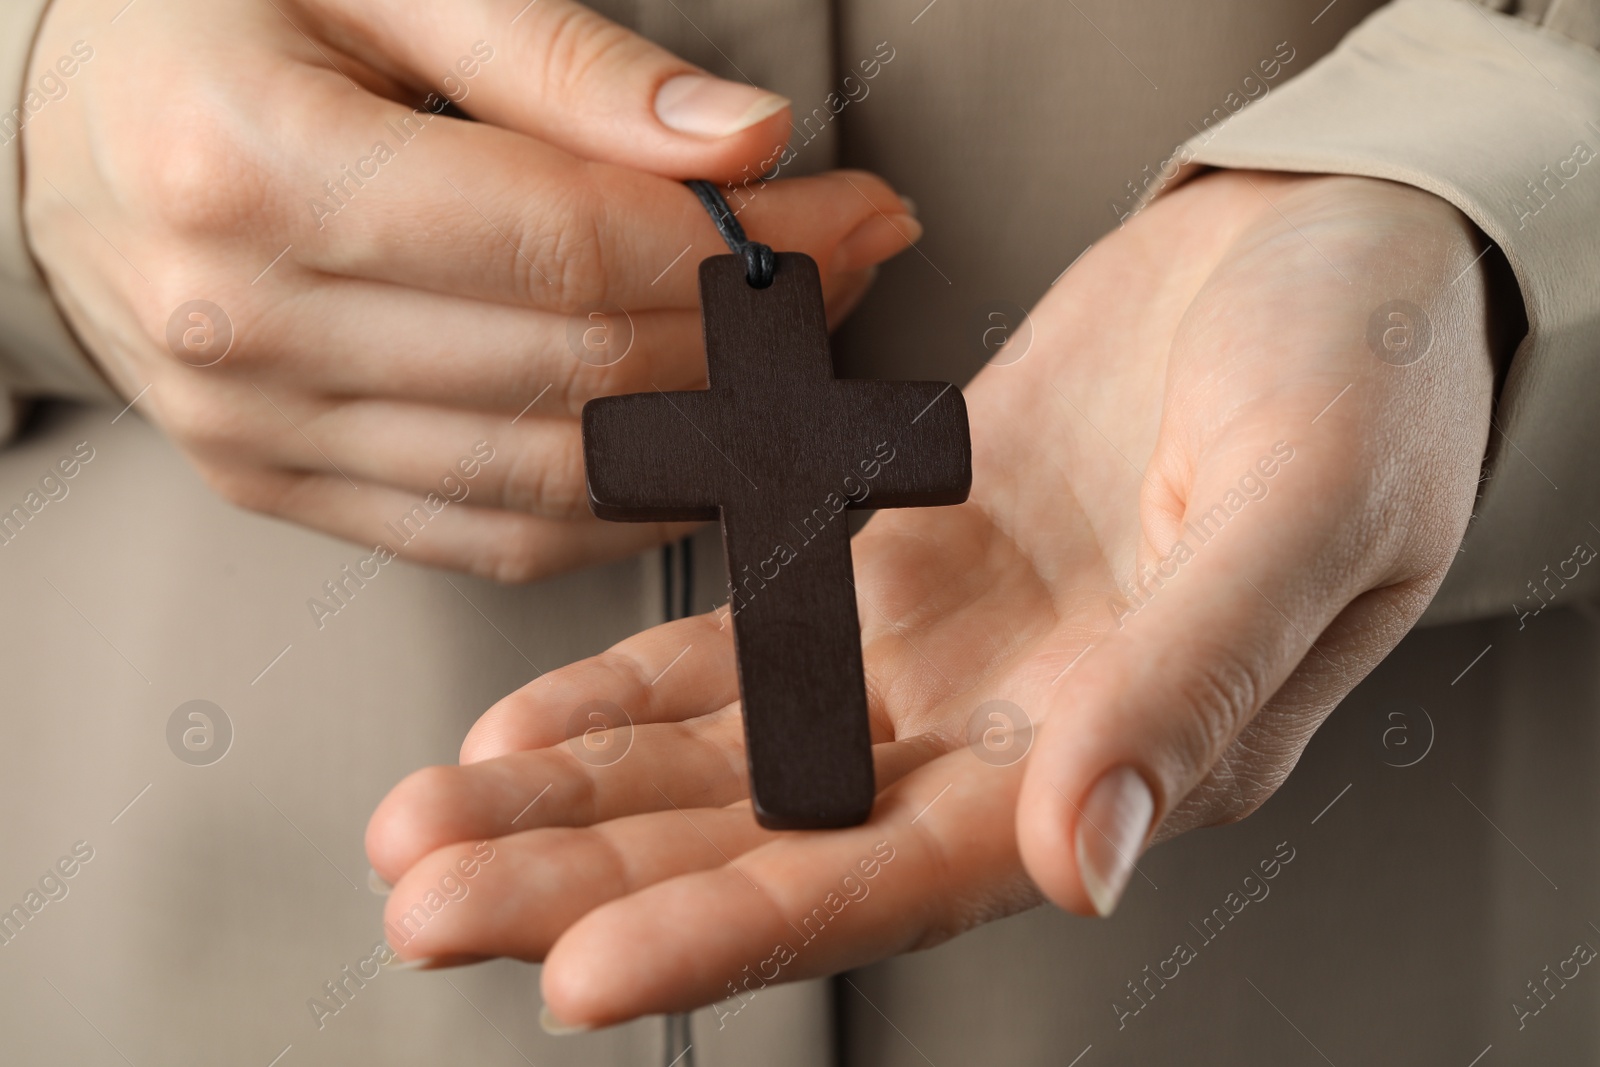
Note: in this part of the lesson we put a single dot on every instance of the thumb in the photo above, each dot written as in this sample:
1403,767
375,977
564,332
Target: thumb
556,70
1256,569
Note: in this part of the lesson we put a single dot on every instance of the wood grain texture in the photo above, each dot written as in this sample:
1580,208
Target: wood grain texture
778,448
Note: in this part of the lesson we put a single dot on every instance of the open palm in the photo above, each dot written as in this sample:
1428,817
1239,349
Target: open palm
1204,506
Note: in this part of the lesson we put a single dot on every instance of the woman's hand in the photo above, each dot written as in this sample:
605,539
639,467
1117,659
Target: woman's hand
263,218
1221,484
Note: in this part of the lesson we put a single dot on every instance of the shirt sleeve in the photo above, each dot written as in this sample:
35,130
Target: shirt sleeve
1498,113
1577,19
38,354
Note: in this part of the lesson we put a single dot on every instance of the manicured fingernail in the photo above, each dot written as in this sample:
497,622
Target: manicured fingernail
421,963
555,1027
874,241
1112,826
376,883
911,205
710,107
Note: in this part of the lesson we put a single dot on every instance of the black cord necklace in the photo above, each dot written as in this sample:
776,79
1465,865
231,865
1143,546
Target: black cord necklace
759,261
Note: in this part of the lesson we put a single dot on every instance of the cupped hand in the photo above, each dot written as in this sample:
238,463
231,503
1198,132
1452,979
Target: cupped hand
1222,481
270,223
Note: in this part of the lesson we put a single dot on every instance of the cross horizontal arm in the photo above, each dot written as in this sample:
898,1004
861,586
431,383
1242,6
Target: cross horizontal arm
914,449
648,461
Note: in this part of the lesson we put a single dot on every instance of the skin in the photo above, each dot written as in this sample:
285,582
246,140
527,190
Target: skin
1225,321
1228,318
437,304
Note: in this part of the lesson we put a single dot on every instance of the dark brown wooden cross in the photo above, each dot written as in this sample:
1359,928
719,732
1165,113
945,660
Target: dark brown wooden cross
779,448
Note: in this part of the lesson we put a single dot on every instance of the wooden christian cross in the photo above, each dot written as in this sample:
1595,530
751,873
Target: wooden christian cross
779,448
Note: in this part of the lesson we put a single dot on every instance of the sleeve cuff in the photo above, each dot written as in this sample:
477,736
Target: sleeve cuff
1501,118
38,353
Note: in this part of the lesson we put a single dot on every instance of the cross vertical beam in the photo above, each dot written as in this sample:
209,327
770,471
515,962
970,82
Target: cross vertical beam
779,449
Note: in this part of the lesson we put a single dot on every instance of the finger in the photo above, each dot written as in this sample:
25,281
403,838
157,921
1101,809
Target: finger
528,463
499,545
1233,605
527,888
516,221
351,337
696,763
693,764
562,73
803,904
531,464
665,674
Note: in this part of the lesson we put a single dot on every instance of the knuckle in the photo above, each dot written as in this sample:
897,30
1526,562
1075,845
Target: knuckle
1249,767
548,481
549,248
576,788
197,420
194,175
1245,791
571,378
509,568
1221,693
240,486
518,557
574,271
194,322
516,568
1233,790
431,789
576,45
958,912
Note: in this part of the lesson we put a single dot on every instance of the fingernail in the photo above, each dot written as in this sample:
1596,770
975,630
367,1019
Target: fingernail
711,107
1112,826
376,883
874,241
911,205
555,1027
421,963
